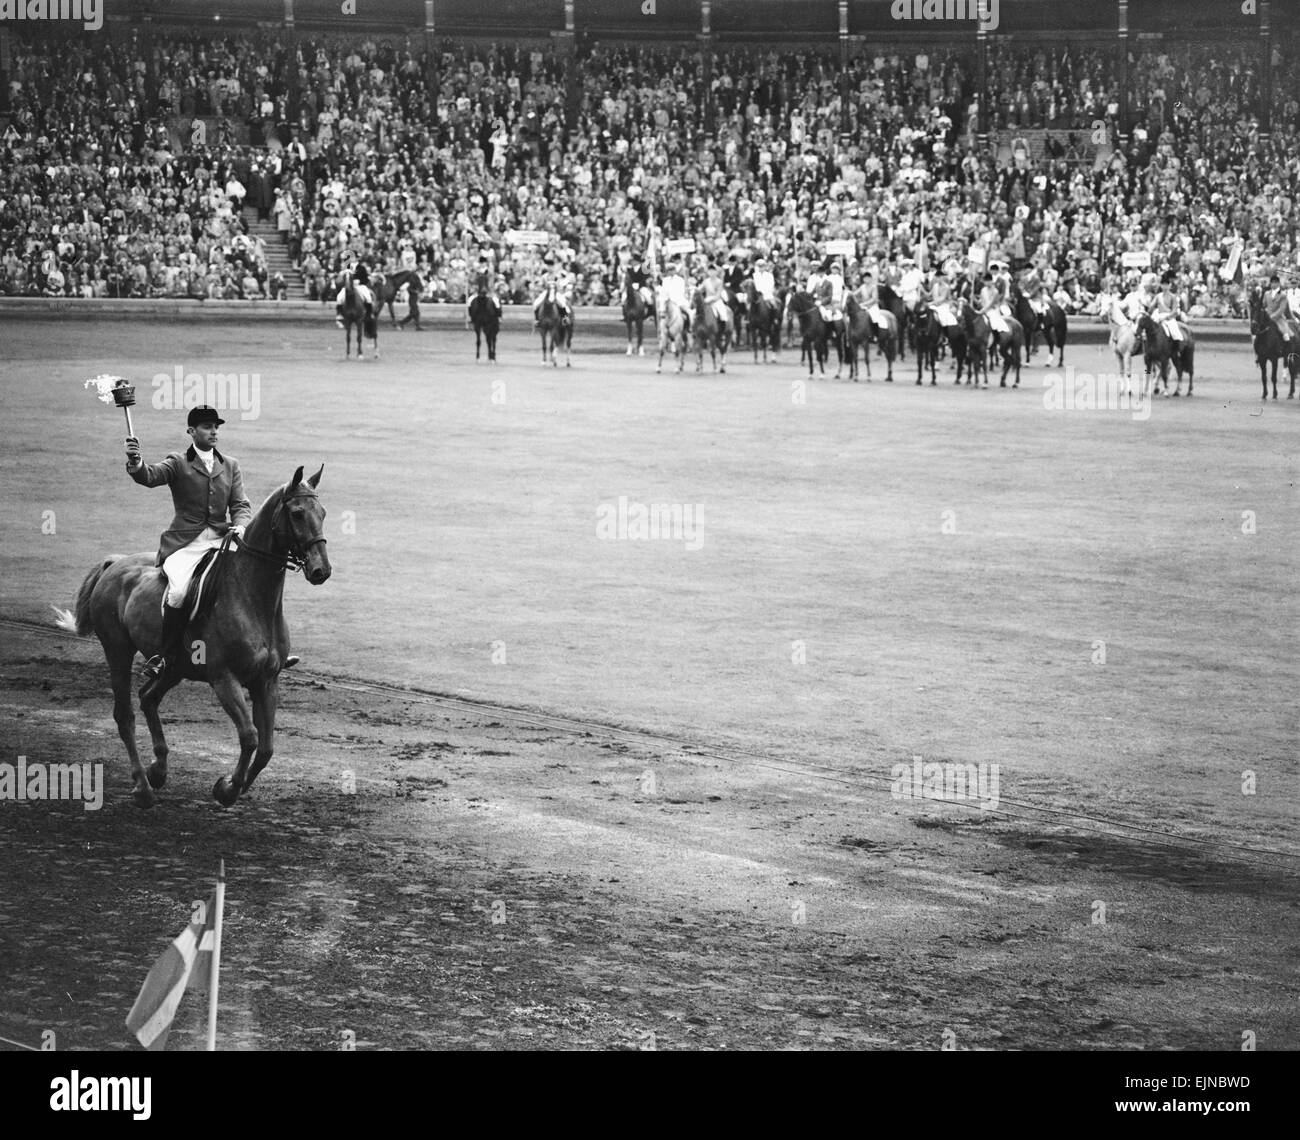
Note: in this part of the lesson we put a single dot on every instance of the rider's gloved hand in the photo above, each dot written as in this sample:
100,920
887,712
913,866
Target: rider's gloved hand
133,457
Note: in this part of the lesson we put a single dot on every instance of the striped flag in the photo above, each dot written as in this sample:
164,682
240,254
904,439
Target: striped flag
187,962
1232,270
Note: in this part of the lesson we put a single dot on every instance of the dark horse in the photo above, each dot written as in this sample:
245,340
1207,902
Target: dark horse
710,333
813,331
891,302
635,312
860,332
1051,323
354,316
930,334
1160,350
556,328
764,323
387,288
487,324
981,338
1270,346
241,643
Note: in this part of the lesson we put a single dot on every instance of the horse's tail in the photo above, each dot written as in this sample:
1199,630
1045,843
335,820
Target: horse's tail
77,620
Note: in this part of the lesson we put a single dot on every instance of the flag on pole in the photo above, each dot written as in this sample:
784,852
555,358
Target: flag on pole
188,962
1232,270
651,242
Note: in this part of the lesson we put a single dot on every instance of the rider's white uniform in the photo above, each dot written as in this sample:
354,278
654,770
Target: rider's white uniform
363,291
765,285
674,290
909,287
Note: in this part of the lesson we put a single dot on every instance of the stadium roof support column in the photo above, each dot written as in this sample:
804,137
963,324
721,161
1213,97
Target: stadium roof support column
288,15
6,47
567,45
982,84
844,68
430,56
1265,70
150,65
706,55
1123,75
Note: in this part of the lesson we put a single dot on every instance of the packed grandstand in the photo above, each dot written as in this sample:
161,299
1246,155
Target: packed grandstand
200,162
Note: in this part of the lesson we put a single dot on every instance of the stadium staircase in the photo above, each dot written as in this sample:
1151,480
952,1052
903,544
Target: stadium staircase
277,253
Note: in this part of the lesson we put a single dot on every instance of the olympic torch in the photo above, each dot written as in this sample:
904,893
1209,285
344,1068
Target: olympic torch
115,390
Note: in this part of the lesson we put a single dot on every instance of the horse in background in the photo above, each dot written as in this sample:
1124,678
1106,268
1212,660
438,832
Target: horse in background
485,318
813,332
710,333
1124,341
764,323
635,313
1271,346
354,317
672,333
556,327
1051,323
1160,350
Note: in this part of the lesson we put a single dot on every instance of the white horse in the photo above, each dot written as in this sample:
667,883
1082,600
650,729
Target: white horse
1123,340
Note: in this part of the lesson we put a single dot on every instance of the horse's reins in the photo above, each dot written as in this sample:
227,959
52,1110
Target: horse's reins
295,558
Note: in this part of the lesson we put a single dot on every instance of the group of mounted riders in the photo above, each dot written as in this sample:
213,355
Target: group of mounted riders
891,306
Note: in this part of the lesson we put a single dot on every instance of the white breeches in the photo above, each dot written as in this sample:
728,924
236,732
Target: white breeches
363,291
179,567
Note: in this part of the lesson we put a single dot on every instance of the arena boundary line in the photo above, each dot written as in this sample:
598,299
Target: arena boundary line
601,320
1027,811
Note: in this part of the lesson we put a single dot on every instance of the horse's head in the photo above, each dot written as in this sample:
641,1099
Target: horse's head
298,527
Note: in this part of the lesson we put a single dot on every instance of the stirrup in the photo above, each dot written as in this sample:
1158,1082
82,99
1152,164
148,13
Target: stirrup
155,666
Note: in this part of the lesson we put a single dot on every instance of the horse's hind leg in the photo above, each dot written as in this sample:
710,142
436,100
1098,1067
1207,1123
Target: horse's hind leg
124,715
266,698
157,771
231,695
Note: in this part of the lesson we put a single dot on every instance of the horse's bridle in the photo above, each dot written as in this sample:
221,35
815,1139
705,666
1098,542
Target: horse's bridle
295,558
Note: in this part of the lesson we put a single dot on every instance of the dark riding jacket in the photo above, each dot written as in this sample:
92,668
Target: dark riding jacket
201,500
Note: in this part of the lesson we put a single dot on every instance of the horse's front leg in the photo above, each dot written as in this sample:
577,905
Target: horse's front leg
266,698
231,695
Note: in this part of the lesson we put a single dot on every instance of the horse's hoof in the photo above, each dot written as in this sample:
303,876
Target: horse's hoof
640,352
224,792
143,795
157,775
629,350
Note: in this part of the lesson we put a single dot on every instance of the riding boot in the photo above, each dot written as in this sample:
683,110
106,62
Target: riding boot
170,649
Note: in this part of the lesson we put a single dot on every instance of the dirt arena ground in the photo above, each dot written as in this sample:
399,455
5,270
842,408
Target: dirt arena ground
661,815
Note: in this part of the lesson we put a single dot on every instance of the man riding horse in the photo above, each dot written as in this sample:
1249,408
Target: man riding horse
361,280
483,285
1167,309
558,283
636,280
1277,307
733,281
715,295
205,486
675,289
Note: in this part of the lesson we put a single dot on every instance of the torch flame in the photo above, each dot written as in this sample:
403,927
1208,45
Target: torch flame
104,385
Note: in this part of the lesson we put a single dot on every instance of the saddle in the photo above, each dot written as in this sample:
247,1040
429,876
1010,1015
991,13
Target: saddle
203,586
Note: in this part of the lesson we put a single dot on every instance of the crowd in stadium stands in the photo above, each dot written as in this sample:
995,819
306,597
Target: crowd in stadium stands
107,191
